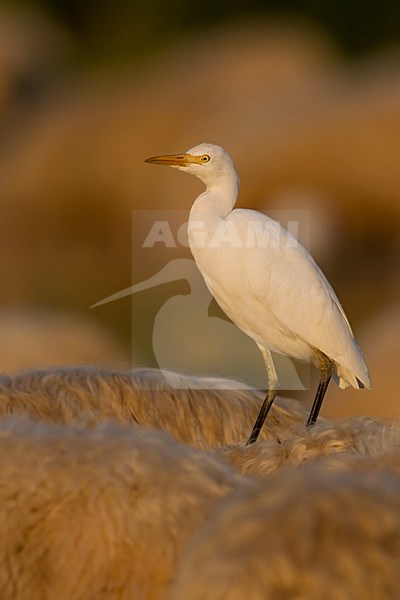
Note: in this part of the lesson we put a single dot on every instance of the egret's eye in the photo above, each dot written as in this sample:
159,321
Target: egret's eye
205,158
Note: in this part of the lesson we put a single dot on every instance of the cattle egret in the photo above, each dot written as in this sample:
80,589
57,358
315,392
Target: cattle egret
266,281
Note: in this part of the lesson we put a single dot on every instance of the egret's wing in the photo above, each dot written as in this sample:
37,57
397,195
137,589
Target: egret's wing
290,284
307,264
298,295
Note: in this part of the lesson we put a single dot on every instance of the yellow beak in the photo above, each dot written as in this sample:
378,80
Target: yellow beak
174,160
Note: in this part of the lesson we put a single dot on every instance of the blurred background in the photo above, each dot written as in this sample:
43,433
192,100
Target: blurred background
306,97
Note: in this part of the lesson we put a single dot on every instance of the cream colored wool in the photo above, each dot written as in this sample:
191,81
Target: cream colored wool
303,534
342,441
89,395
99,514
378,448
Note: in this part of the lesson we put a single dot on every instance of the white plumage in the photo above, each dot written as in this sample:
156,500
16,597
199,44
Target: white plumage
264,279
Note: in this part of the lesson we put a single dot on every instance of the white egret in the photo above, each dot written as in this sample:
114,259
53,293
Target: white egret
266,281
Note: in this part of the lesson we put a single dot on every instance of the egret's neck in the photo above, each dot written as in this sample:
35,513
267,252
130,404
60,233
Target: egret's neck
218,200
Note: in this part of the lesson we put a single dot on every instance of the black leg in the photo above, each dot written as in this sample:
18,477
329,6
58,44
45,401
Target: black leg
326,374
262,415
319,397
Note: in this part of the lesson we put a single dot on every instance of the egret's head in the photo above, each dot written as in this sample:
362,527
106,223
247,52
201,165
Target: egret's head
208,162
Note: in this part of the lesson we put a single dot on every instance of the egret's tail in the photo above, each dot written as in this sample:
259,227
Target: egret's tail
346,377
